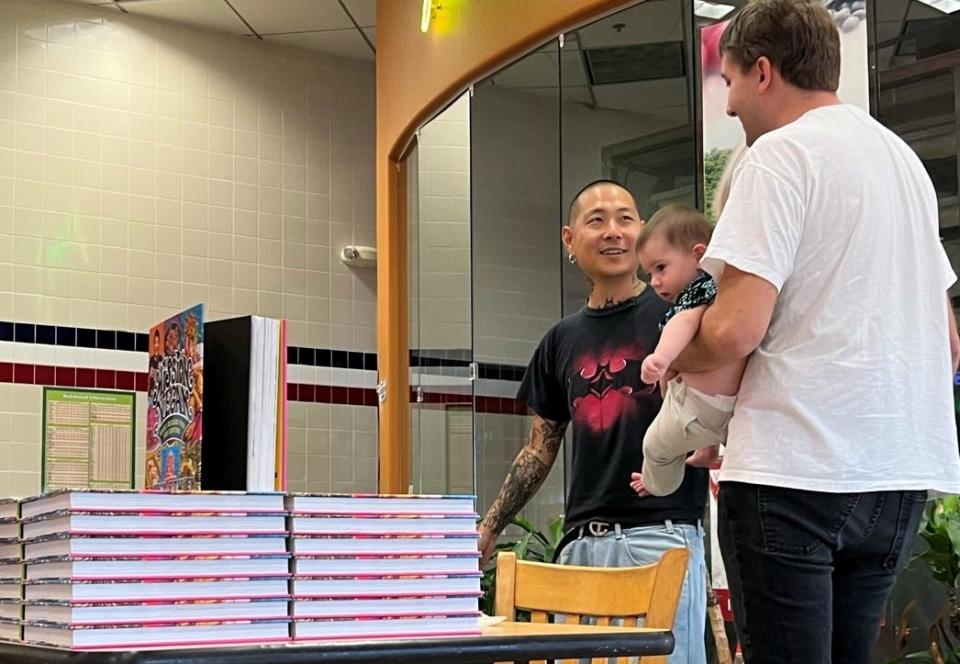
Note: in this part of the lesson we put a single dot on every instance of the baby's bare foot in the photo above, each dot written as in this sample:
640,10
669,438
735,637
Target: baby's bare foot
636,483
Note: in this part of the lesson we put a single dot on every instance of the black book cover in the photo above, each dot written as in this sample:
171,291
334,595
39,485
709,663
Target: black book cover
227,347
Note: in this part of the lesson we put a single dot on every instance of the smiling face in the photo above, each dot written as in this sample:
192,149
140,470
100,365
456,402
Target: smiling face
671,268
173,338
603,232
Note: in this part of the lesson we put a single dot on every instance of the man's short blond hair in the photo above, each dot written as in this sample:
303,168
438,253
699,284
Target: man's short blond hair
797,36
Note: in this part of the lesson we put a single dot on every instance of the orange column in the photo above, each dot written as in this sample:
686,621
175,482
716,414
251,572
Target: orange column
393,356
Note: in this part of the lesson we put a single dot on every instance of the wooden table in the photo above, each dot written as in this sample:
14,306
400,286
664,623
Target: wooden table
497,643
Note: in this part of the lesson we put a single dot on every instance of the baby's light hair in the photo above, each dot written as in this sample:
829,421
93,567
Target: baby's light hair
681,226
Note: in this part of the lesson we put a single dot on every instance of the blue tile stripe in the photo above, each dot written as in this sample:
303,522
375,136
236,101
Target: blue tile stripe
84,337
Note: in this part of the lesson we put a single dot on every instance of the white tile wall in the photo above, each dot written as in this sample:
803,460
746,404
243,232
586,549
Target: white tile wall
443,230
145,167
440,317
332,448
516,204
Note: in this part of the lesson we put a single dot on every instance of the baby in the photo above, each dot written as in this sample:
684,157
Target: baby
696,406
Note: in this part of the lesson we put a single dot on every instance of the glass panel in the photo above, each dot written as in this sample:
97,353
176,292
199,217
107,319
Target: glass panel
916,51
627,112
413,252
516,263
443,449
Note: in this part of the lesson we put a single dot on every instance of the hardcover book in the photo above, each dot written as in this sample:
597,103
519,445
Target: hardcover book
175,402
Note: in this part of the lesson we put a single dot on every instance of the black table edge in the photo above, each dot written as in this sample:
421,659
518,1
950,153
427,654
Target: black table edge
461,650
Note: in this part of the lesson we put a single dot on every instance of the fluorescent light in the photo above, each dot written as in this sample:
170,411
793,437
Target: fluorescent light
946,6
426,9
717,10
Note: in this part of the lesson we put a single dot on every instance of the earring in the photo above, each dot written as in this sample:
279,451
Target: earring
572,259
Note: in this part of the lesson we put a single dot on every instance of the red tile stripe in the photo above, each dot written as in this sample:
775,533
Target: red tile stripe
111,379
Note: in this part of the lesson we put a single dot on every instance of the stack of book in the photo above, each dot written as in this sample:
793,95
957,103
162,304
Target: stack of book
383,566
11,570
126,569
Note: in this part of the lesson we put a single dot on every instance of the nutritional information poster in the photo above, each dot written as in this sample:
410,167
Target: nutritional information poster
88,439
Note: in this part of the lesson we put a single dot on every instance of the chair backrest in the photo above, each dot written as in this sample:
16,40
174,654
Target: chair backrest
650,592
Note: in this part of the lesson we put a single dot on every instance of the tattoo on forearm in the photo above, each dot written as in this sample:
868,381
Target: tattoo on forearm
526,475
552,433
523,480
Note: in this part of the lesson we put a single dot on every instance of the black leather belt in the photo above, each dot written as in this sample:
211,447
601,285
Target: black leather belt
600,528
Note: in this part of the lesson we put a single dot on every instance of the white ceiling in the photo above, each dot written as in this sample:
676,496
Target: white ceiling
648,22
340,27
651,21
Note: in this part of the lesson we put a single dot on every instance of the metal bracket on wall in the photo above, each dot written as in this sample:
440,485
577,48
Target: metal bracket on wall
382,391
474,371
561,39
419,394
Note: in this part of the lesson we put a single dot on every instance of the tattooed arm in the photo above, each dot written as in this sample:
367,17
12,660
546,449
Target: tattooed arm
526,475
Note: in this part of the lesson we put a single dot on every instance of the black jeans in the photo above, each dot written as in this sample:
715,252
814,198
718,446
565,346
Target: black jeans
810,572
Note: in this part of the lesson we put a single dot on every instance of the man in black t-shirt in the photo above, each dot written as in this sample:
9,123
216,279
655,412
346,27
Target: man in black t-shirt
586,373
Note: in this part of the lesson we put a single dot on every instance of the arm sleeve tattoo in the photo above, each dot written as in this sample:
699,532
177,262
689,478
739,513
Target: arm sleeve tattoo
528,472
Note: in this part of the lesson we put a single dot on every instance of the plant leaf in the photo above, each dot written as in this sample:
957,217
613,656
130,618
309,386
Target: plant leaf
524,523
556,530
521,546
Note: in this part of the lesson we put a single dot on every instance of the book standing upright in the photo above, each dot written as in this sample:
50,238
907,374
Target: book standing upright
175,403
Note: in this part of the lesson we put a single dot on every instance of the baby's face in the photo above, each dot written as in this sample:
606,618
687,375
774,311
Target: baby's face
670,268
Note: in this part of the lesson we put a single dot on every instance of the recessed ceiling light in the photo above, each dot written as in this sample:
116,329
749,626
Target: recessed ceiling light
946,6
717,10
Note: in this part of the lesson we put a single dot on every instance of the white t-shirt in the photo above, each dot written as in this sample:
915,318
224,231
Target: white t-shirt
851,388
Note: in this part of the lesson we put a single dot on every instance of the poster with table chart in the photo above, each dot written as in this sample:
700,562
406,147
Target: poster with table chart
88,439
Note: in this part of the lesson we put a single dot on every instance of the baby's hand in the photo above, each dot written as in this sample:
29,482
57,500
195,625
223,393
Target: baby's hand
653,367
706,457
636,483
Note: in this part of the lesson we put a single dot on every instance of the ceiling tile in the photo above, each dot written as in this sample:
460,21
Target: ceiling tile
345,43
204,14
644,23
292,15
364,12
535,70
579,94
644,96
572,72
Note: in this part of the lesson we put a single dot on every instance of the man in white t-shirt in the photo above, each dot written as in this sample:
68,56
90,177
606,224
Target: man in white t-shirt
832,275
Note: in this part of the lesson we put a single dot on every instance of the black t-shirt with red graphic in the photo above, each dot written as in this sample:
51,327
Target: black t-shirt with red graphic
586,371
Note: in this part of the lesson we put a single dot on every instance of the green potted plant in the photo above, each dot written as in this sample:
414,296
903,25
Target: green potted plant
940,529
532,545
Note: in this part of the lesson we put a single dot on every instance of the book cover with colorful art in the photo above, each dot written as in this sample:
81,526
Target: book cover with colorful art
175,403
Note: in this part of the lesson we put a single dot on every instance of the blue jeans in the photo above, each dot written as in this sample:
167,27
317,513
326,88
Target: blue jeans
810,572
645,545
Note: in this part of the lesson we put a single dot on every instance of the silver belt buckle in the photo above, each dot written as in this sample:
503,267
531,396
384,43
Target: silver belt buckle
598,528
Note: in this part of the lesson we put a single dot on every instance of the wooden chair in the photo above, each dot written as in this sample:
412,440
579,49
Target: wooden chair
651,592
